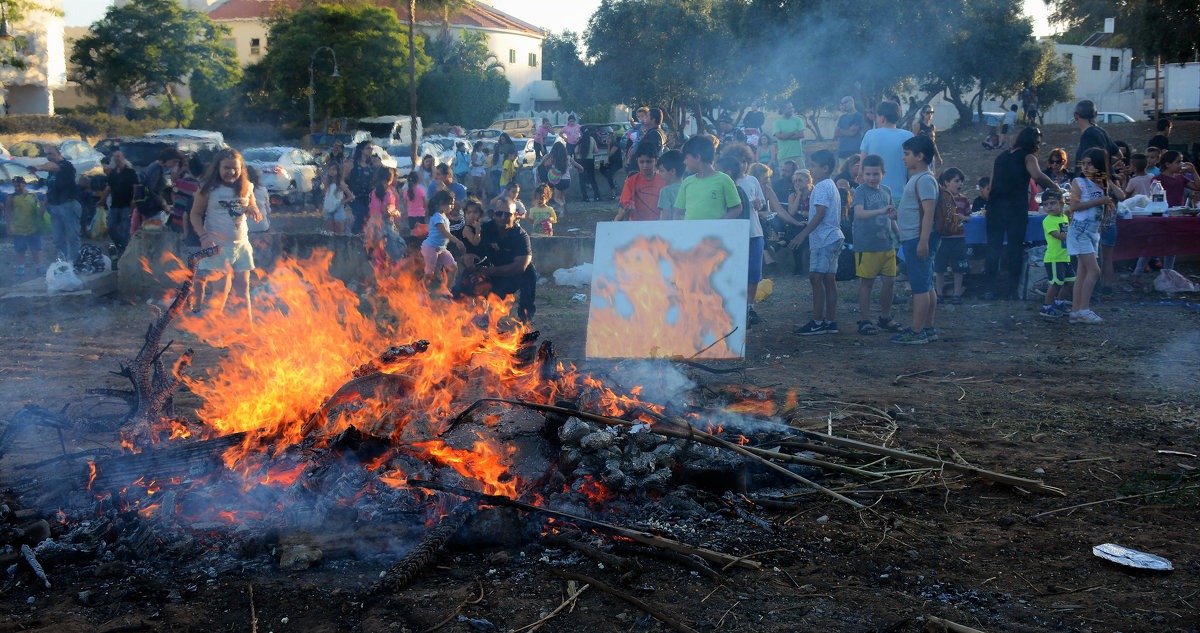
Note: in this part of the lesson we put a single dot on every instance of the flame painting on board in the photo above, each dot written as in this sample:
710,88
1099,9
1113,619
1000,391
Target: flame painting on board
669,290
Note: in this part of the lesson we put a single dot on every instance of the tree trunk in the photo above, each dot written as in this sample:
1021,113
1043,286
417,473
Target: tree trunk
412,79
954,96
813,120
174,108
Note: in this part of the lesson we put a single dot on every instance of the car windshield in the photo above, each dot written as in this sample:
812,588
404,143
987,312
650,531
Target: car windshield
142,153
262,155
400,151
26,149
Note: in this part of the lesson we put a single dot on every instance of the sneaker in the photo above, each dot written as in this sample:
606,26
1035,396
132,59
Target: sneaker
752,317
830,327
1086,317
1050,312
908,337
888,325
20,270
811,328
1063,306
956,300
930,333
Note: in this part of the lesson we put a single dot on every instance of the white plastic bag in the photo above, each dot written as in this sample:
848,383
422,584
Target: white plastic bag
60,277
575,276
1171,281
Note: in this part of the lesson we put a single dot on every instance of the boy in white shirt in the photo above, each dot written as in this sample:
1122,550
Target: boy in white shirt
824,231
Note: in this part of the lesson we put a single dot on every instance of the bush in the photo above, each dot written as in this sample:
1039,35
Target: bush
83,125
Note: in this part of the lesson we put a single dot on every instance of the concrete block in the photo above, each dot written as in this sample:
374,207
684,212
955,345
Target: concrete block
33,294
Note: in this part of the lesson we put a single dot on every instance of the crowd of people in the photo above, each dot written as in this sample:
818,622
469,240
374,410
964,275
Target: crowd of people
869,204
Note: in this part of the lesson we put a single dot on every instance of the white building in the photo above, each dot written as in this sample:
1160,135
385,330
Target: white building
515,43
38,37
1104,75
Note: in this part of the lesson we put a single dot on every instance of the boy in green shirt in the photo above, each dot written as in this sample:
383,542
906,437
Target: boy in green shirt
1060,270
22,213
670,168
707,194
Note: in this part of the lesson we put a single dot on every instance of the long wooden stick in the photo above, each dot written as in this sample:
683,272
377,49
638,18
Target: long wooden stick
1035,484
950,626
633,535
680,431
670,620
1093,503
565,603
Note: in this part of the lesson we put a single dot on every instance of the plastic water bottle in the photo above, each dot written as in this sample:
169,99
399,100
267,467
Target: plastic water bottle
1158,199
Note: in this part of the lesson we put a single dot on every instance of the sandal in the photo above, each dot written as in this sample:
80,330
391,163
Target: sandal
889,325
868,328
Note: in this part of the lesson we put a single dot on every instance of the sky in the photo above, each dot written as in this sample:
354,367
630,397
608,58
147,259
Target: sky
554,15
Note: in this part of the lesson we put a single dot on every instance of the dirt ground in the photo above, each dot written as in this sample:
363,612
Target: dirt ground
1088,409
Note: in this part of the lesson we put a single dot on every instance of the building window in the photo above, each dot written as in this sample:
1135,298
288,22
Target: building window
255,48
1114,64
512,55
1095,62
230,42
533,60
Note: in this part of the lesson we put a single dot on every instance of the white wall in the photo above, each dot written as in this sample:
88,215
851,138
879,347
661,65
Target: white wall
525,82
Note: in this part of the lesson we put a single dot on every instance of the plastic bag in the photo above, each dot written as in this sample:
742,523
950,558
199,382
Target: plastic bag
155,223
765,288
1171,281
575,276
44,225
60,277
99,228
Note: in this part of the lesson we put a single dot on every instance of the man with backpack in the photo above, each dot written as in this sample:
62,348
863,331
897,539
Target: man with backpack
122,181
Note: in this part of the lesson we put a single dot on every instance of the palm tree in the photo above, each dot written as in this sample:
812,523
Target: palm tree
445,7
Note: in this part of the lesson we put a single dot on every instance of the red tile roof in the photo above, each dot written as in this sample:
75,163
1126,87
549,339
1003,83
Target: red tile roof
477,15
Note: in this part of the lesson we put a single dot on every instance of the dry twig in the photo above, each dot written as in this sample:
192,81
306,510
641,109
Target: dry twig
670,620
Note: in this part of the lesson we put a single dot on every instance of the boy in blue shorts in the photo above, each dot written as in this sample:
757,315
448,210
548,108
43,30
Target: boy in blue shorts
918,239
874,251
1060,270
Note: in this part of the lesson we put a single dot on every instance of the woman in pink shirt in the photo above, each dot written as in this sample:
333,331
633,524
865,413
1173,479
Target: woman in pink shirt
572,131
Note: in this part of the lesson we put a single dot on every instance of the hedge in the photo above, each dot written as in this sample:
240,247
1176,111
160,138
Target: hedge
79,125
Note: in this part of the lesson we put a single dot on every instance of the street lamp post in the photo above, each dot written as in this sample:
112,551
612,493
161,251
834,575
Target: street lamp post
311,85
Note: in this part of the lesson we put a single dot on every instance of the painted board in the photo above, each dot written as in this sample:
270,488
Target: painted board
669,289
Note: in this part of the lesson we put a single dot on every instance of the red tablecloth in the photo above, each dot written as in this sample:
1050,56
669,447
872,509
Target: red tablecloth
1150,236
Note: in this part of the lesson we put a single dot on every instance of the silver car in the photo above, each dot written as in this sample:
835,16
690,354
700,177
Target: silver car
84,157
285,170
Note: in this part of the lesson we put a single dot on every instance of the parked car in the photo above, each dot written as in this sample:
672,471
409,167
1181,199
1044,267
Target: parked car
108,145
288,171
208,135
10,169
990,119
442,147
385,154
526,157
141,151
485,133
1113,117
84,157
523,127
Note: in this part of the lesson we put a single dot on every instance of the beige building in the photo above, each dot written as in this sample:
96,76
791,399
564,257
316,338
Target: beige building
38,37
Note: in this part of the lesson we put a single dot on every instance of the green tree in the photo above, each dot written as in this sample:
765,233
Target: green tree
575,79
143,48
463,66
370,45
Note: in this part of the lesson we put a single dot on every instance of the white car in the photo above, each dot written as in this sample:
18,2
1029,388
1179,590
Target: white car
285,170
1113,117
84,157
